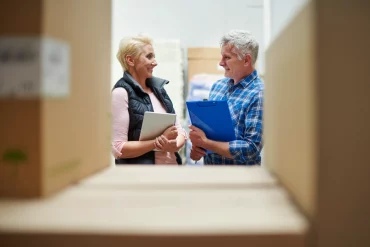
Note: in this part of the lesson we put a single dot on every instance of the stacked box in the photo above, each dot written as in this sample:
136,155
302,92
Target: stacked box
54,94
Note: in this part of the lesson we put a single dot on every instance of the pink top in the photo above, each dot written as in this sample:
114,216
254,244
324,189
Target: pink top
121,122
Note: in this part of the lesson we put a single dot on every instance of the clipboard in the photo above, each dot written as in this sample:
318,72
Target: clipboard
213,117
154,123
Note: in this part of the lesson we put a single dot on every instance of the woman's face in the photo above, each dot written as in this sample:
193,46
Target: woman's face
145,63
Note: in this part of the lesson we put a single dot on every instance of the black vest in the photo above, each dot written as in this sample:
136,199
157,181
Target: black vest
138,103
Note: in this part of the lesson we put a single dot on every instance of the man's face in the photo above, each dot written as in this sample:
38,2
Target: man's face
234,68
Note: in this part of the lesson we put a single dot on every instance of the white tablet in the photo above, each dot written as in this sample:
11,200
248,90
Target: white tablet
154,124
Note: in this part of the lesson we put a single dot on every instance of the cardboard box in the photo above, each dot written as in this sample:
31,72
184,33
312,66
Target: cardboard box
317,118
292,102
46,142
181,177
99,215
204,60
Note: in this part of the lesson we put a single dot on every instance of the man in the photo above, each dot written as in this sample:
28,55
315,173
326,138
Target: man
243,90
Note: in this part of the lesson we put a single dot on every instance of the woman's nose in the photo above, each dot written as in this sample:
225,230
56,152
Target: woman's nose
154,63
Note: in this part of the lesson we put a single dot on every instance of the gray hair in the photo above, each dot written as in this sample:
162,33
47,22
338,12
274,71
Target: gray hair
243,43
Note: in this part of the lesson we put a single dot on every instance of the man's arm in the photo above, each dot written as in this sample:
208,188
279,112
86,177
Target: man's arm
221,148
242,150
199,139
251,144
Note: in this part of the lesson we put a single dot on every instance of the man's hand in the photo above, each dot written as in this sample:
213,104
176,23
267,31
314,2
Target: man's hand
165,145
197,136
199,139
196,153
170,133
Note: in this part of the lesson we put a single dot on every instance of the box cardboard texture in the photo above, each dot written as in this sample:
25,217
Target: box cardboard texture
251,212
290,108
204,60
58,141
317,118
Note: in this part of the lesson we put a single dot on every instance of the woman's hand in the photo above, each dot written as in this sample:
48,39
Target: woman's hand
170,133
165,145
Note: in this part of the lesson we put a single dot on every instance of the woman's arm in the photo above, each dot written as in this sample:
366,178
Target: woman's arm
121,148
134,149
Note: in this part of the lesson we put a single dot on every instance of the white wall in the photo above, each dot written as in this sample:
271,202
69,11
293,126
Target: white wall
196,23
277,14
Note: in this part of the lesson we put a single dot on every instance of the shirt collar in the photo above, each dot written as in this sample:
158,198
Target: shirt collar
150,82
246,81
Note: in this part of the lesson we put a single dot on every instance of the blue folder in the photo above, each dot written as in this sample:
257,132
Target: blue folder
213,117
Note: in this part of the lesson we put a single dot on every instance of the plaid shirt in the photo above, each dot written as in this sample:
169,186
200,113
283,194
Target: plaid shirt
245,101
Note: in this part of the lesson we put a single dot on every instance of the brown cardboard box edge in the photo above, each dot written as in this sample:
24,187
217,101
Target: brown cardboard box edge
33,135
56,240
203,60
204,53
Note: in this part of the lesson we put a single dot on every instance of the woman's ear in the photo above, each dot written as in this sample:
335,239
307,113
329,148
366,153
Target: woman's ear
130,60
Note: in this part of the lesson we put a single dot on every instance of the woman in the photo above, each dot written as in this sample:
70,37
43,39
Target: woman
136,92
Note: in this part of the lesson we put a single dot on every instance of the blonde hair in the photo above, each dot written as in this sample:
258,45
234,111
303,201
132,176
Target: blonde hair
131,46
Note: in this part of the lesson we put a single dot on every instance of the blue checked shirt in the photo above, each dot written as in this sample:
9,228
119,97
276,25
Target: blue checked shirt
245,101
